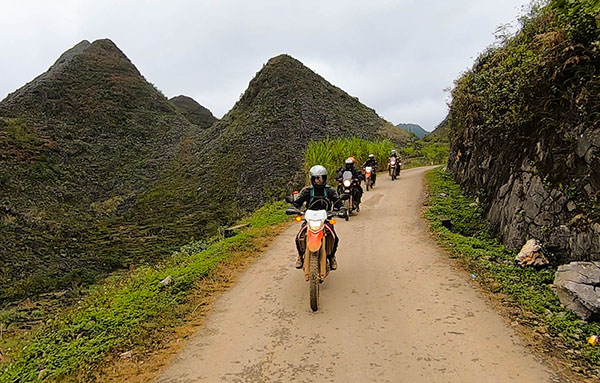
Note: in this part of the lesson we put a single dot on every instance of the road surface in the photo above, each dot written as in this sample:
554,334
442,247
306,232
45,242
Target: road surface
394,311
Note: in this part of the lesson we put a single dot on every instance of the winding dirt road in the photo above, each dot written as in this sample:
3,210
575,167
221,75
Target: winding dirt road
394,311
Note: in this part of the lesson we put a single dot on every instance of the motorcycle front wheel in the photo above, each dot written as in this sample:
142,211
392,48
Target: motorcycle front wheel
313,280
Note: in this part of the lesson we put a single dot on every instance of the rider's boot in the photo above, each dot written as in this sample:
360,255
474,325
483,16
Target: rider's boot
299,261
333,263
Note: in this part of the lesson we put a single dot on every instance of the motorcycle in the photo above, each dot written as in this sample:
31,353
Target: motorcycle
394,169
348,188
369,177
316,265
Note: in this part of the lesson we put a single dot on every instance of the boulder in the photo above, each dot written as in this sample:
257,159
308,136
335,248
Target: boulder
577,287
531,254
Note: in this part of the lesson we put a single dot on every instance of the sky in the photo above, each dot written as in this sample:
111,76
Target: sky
398,57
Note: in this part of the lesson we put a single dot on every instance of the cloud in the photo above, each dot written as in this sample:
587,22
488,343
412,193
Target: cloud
395,56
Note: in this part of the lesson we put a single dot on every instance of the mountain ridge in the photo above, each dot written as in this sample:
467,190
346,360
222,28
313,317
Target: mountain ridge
416,129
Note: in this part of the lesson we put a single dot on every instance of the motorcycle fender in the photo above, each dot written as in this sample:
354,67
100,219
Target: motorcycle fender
314,241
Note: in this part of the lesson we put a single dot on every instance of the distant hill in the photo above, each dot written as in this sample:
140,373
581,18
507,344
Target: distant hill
414,128
266,133
194,112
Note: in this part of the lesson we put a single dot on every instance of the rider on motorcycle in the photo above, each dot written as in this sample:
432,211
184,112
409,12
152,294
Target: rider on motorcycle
398,162
372,162
356,174
318,196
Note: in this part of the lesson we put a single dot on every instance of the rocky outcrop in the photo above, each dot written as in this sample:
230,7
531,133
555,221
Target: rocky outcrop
577,286
521,204
525,133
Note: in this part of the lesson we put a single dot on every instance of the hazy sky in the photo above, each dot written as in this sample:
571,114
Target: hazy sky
395,56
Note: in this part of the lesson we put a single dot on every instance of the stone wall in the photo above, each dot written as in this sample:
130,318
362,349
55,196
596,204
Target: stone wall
536,188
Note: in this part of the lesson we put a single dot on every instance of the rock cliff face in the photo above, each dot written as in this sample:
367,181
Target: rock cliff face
525,133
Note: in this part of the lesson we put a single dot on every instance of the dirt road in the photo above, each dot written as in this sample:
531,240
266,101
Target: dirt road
394,311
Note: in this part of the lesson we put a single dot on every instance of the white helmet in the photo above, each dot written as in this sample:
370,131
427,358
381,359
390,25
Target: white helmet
318,171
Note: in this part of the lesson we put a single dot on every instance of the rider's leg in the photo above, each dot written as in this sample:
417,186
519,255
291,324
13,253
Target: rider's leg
301,246
336,240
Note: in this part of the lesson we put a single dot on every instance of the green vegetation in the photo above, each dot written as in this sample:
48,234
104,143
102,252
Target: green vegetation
531,99
131,309
332,153
495,269
423,153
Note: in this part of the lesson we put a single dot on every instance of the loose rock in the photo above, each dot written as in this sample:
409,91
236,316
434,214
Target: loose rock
576,285
531,254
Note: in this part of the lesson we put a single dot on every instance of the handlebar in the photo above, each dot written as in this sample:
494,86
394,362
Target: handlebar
330,214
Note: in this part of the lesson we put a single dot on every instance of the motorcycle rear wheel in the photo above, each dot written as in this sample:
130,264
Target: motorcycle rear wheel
313,280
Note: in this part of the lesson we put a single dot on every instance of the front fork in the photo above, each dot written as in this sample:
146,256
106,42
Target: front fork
322,259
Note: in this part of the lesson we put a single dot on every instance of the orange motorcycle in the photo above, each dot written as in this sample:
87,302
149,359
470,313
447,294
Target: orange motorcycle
318,243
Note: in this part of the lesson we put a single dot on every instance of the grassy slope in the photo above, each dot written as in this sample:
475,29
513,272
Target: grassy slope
129,310
495,269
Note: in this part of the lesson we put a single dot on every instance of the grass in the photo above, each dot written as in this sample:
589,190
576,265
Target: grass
125,311
496,270
332,153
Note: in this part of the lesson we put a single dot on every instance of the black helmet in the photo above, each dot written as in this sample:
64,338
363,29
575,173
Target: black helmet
318,171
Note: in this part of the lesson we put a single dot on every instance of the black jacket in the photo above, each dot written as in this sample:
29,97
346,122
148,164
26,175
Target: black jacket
318,198
355,174
372,163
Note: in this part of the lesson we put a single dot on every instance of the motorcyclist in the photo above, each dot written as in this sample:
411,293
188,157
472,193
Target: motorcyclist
319,196
356,174
372,162
398,161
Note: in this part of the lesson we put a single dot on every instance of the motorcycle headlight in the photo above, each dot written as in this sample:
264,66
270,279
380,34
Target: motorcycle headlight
393,162
315,225
347,183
